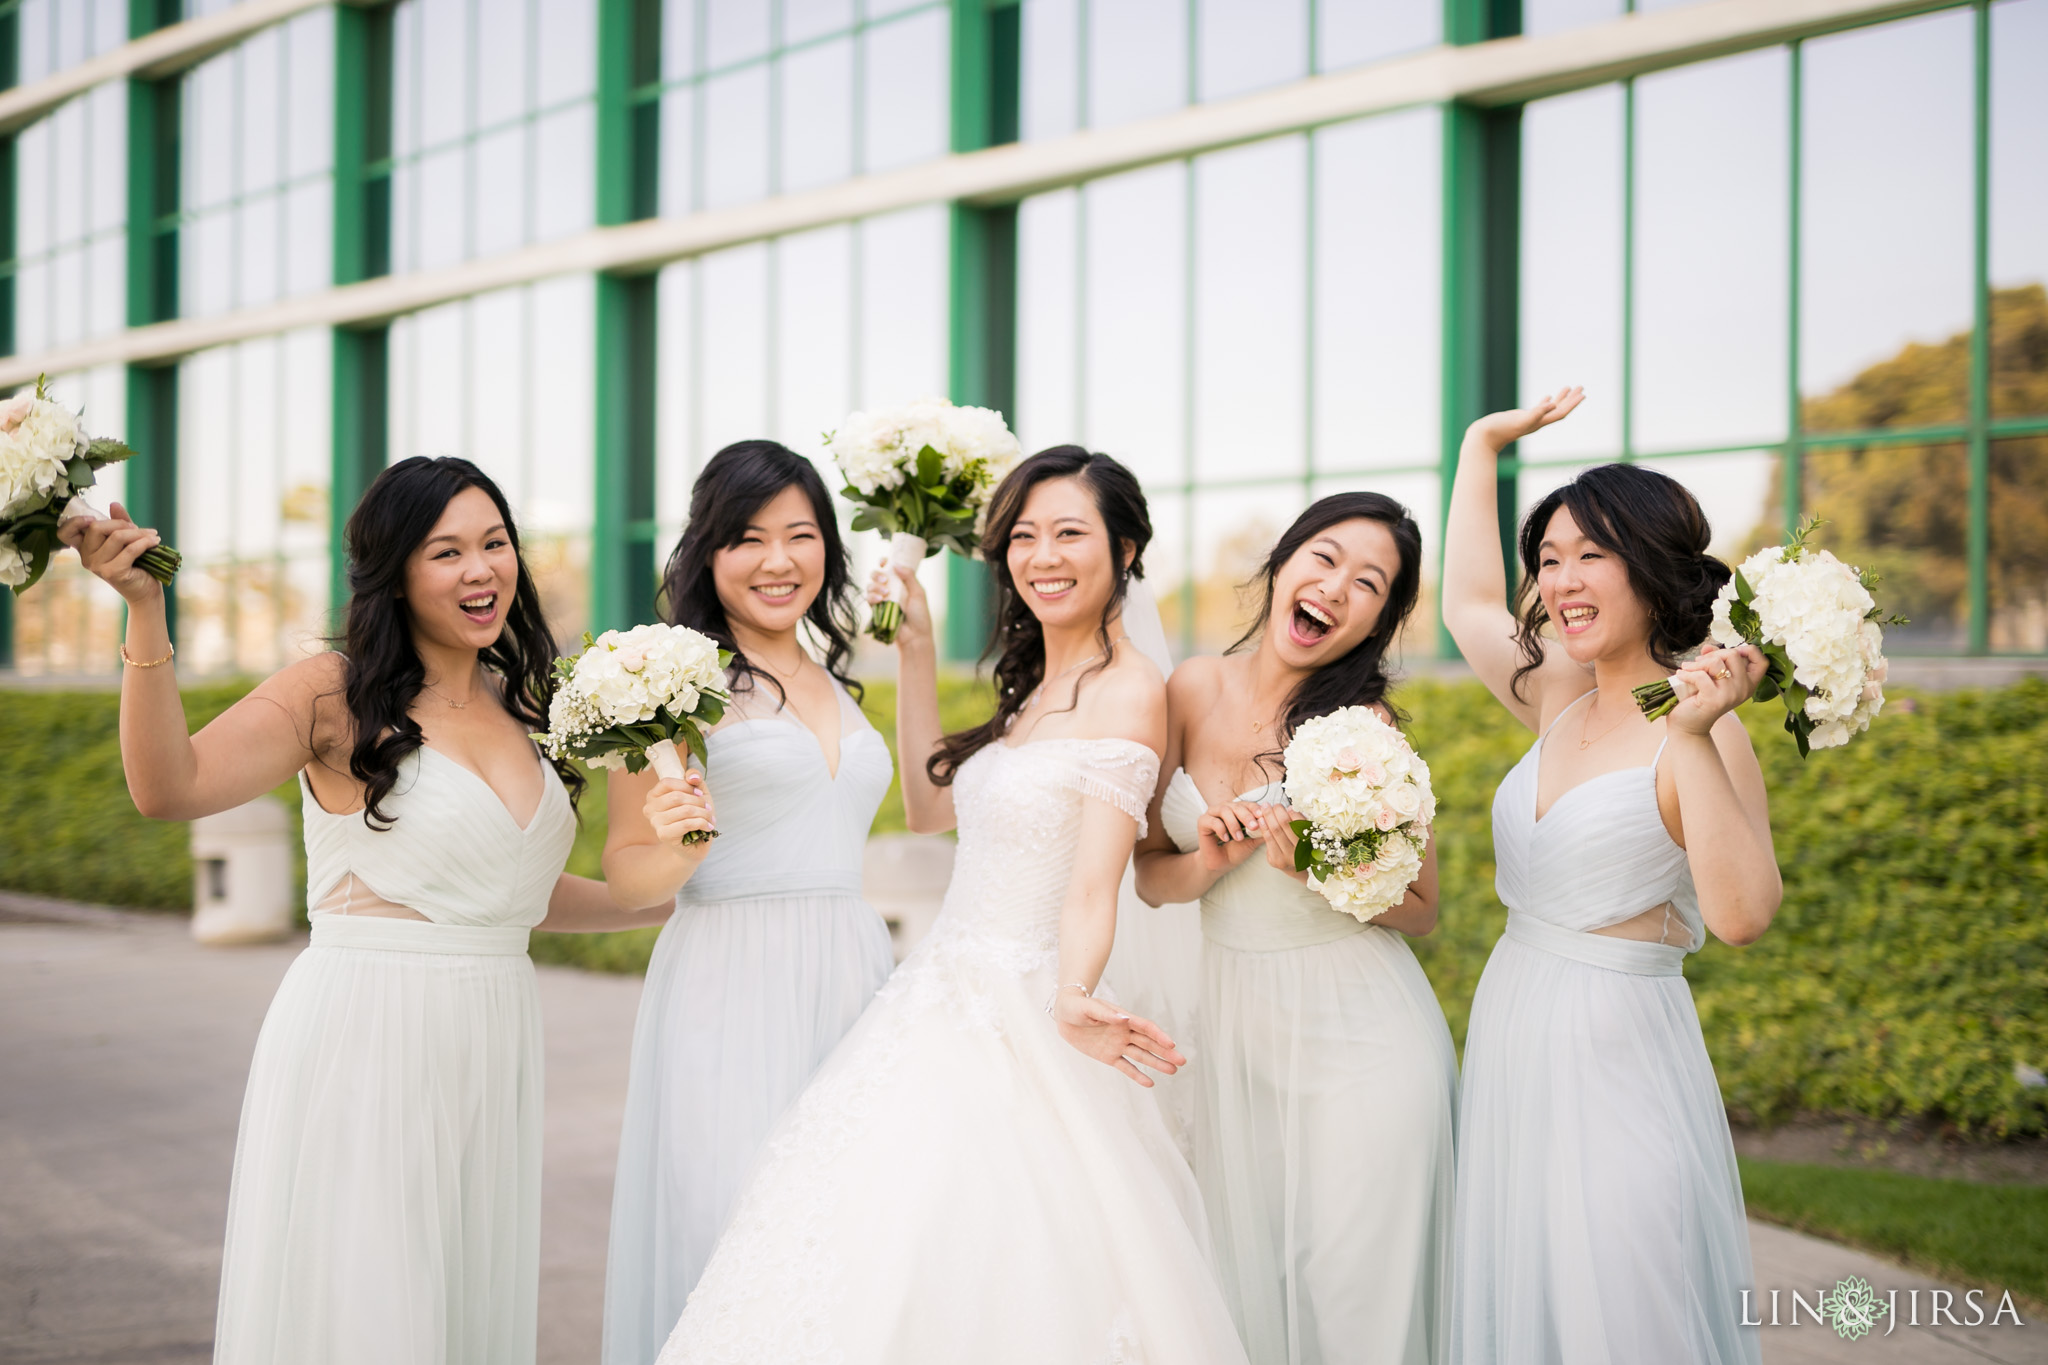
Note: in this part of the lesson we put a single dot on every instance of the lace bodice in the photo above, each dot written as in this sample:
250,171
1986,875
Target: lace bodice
454,853
1253,907
788,824
1020,811
1599,855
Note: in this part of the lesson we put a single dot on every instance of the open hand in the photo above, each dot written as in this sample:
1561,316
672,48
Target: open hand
678,808
1228,834
109,548
1114,1038
1722,679
1500,429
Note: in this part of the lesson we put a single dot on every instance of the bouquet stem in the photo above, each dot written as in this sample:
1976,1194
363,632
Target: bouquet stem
1660,698
667,762
160,562
906,551
886,620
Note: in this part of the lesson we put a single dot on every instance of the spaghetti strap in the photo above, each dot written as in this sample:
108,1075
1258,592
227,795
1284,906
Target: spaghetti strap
1658,756
1561,715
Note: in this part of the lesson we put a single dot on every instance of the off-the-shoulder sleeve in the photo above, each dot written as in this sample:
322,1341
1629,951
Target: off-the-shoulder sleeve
1120,772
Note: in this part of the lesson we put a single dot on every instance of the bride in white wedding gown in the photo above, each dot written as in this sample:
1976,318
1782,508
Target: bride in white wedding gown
966,1178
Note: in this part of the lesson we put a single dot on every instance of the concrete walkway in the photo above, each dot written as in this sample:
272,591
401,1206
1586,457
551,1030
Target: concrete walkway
123,1051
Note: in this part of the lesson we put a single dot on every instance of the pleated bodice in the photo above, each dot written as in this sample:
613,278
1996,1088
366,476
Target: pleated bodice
1599,855
453,853
1254,907
788,825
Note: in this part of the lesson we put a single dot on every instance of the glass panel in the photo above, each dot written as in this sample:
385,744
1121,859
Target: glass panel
678,39
207,272
1137,59
2019,210
1047,319
2018,567
734,31
107,175
1234,530
442,28
1739,494
901,352
259,59
563,190
558,501
1166,559
443,208
679,189
907,91
498,411
1354,32
501,70
1902,511
1711,246
1571,266
813,329
675,399
736,137
1885,108
1378,297
735,356
1133,364
1554,16
1250,288
498,201
1248,45
565,39
309,67
803,20
817,134
1050,85
257,252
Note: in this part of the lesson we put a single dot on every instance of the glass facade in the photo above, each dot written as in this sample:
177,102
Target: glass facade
1804,279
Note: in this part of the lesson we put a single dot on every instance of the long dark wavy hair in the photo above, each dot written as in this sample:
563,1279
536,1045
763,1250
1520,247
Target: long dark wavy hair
734,485
1358,677
1020,666
383,673
1655,526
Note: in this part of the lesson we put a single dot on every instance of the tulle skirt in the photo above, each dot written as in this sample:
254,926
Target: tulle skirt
1323,1145
1600,1215
960,1185
386,1196
743,1000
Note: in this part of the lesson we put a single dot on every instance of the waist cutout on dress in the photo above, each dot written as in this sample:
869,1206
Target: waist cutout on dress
1598,950
380,933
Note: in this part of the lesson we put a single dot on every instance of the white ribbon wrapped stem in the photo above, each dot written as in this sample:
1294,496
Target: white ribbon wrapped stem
667,761
906,551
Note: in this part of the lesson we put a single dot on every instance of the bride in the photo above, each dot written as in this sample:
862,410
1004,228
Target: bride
966,1178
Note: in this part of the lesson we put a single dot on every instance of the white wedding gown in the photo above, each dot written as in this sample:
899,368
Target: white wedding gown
769,958
386,1197
958,1184
1599,1208
1325,1087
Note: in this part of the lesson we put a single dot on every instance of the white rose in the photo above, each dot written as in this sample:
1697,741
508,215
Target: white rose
13,564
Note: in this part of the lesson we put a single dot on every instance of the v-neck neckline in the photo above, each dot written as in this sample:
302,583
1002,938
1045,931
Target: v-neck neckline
484,782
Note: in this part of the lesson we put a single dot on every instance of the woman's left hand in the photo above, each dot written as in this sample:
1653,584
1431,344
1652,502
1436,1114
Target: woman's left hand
1114,1038
1722,679
1281,840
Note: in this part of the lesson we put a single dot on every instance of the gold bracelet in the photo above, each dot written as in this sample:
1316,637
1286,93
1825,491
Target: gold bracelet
152,663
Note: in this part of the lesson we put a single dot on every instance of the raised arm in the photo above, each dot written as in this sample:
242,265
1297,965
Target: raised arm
1475,576
249,749
927,806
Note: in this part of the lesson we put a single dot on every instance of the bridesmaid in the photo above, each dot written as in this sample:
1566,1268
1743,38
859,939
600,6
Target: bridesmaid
1324,1110
1599,1210
386,1196
771,953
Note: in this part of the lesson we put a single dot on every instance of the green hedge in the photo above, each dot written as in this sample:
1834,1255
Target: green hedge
1906,974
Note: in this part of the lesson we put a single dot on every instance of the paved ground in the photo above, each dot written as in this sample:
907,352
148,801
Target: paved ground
123,1049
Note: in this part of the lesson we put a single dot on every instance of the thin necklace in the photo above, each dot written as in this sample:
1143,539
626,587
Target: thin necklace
1587,724
458,705
762,659
1032,700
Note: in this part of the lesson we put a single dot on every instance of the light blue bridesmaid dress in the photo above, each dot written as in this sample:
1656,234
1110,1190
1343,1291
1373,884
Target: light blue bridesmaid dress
769,958
1599,1215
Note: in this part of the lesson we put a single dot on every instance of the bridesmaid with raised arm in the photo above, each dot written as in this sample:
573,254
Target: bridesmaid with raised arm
1599,1209
386,1196
1325,1075
771,953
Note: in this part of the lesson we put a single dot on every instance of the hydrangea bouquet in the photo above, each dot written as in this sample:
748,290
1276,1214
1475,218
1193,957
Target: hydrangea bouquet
923,474
1368,803
626,700
46,462
1822,637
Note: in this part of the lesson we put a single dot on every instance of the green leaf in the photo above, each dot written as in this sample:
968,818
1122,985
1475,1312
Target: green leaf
1304,851
78,472
930,464
1743,592
694,738
105,450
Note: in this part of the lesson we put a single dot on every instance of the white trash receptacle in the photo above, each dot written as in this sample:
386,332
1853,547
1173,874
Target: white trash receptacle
242,874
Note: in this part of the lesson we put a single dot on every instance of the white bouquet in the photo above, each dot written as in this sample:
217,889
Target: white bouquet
1366,795
630,695
46,462
1822,637
923,474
